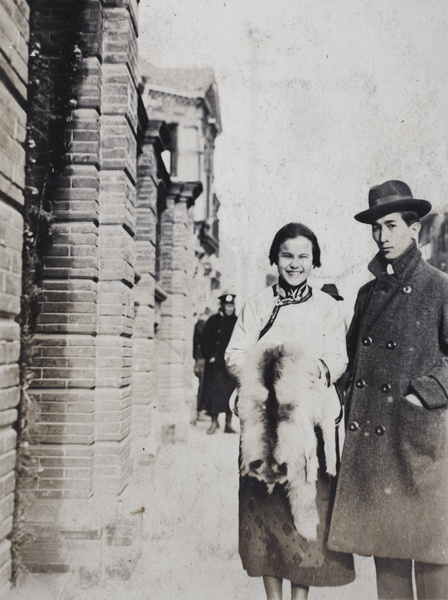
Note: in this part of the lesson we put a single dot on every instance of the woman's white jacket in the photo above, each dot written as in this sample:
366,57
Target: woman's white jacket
317,326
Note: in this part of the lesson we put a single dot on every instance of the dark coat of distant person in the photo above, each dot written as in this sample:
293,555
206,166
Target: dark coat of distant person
218,384
199,362
392,498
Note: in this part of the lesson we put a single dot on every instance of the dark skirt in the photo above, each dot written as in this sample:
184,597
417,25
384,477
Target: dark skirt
217,388
270,545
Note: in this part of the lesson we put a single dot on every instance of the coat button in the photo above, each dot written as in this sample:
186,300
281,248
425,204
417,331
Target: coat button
360,384
406,289
367,341
385,388
379,430
353,426
391,345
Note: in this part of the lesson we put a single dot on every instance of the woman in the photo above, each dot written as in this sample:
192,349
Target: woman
291,312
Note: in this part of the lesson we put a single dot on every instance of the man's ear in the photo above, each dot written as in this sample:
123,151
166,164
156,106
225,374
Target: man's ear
415,228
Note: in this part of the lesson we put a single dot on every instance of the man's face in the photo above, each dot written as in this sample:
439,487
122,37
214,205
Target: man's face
393,236
229,308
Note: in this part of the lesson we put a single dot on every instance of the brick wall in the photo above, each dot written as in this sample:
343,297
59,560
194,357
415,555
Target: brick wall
14,76
106,386
81,425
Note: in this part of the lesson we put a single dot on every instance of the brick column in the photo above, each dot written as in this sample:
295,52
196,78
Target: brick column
191,381
175,343
115,308
145,405
82,385
168,360
14,77
116,243
62,419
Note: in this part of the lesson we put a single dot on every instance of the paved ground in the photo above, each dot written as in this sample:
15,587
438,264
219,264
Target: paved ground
190,536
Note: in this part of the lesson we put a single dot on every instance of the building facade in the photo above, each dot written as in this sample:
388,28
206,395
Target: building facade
187,101
119,248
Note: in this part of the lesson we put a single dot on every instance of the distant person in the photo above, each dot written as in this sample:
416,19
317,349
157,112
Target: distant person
218,383
392,493
287,315
199,361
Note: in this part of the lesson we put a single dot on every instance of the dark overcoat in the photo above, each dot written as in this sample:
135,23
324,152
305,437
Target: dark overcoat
218,384
392,494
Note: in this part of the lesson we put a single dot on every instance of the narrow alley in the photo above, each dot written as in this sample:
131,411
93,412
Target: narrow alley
190,536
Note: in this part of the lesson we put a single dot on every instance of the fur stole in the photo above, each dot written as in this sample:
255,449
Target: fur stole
278,409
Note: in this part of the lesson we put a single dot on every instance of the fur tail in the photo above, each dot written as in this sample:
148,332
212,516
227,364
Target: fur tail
302,499
252,399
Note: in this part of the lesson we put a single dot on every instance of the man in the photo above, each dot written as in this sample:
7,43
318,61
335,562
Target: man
199,361
392,493
218,384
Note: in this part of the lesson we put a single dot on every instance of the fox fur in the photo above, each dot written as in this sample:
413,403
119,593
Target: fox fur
278,409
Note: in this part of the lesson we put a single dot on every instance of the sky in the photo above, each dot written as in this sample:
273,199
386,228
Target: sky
320,100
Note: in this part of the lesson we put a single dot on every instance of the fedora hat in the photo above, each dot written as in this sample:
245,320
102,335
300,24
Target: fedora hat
389,197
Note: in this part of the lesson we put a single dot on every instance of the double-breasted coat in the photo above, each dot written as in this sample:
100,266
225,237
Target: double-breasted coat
218,383
392,494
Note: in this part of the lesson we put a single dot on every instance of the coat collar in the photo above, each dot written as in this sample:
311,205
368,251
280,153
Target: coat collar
285,294
405,265
388,286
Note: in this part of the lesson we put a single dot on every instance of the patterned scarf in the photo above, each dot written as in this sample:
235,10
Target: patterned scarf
284,295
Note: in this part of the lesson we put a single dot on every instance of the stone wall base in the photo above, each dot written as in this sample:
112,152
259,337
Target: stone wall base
92,538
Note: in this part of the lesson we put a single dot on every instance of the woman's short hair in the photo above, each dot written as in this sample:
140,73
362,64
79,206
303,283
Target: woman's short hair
289,232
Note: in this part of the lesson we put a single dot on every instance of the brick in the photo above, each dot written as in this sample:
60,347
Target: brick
51,473
9,352
68,464
11,228
64,484
9,330
84,534
6,527
5,552
7,483
8,417
9,303
7,463
9,376
7,441
6,507
6,569
45,567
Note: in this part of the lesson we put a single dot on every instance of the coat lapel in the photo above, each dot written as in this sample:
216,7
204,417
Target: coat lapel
382,293
387,286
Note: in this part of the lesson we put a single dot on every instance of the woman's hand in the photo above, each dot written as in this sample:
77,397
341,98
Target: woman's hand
312,373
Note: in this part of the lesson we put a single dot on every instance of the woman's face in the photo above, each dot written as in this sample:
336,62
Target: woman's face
295,260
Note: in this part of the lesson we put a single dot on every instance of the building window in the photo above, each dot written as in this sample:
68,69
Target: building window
174,149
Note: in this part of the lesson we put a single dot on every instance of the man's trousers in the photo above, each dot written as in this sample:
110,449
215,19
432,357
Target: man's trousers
394,580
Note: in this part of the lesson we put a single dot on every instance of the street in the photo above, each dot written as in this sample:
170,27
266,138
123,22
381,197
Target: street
190,544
